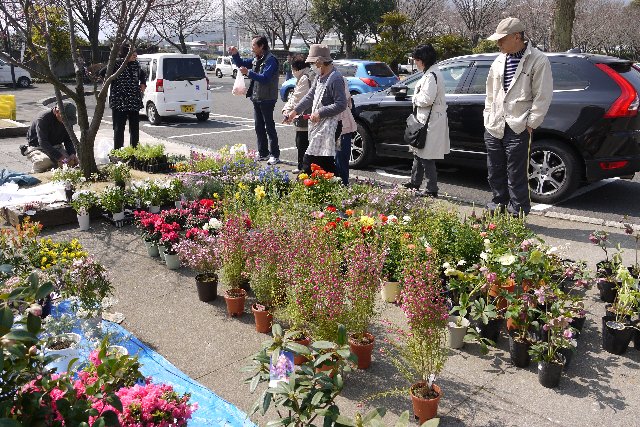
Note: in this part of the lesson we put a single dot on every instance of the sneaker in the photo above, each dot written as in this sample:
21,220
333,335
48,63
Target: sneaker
296,171
273,161
263,158
23,149
409,185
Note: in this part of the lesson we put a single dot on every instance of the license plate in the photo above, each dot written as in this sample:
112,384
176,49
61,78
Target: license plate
188,108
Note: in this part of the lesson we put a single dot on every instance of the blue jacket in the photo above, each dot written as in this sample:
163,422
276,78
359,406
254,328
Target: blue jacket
263,73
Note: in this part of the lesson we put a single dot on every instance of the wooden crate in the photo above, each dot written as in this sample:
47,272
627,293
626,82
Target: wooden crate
47,216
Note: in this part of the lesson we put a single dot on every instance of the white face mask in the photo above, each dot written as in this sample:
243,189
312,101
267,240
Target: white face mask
297,74
318,69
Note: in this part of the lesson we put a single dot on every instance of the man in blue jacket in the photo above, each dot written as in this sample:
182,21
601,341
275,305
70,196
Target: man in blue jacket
263,92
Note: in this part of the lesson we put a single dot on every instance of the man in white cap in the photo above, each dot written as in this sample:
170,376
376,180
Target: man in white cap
519,91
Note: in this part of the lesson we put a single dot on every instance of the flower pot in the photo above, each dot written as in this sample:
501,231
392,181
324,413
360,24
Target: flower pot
390,291
47,305
608,291
117,349
362,346
299,360
491,330
65,355
567,353
636,339
118,216
425,409
496,289
178,204
329,366
235,298
172,260
152,248
616,336
578,323
161,252
519,351
68,194
457,333
83,221
262,317
207,286
154,209
549,374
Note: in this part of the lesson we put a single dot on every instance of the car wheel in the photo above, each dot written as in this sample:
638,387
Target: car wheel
235,73
288,94
203,116
362,150
152,114
24,82
554,172
354,92
219,74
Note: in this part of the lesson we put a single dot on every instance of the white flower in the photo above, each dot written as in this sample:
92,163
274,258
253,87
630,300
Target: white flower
213,224
461,263
392,218
446,265
406,219
239,148
551,250
484,256
507,259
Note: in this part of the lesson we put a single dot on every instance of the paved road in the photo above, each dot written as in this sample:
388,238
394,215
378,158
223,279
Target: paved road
232,123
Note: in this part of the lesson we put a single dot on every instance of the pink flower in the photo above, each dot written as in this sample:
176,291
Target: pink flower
491,277
567,334
491,226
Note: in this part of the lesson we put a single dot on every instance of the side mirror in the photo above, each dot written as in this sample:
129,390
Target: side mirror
399,91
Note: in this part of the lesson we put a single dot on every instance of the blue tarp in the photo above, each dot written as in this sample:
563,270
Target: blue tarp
19,178
212,409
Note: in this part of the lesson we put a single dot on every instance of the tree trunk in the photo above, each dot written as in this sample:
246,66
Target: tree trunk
183,45
564,14
348,41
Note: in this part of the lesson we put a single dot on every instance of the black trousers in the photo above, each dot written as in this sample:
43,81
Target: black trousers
327,163
302,143
119,121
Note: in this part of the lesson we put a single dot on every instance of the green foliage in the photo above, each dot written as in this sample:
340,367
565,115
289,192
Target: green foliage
58,32
113,370
486,46
394,39
84,200
119,173
112,199
450,45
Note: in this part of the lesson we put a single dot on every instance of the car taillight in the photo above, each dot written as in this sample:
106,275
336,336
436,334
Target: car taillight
369,81
627,103
607,166
159,85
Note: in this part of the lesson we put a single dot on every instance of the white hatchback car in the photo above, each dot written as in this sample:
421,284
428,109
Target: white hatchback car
23,78
225,67
176,84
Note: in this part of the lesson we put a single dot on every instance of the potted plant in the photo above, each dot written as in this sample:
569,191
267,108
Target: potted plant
521,311
70,177
201,252
82,202
88,282
169,239
233,243
175,191
119,173
393,239
606,269
155,195
112,200
617,332
65,348
150,225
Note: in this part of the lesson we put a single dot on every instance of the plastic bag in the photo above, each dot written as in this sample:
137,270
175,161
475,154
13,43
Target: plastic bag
101,150
239,88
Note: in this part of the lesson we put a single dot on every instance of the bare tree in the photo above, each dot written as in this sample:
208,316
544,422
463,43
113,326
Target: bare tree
423,16
278,19
479,16
536,15
311,30
24,16
175,21
6,45
89,14
564,13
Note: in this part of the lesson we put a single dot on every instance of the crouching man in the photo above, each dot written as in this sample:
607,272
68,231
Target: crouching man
49,143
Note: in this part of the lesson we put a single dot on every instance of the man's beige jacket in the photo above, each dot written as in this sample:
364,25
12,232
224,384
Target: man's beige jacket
527,99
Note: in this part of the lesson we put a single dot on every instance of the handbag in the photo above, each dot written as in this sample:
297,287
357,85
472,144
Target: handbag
415,134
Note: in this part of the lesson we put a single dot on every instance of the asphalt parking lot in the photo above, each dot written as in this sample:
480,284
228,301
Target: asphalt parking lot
605,202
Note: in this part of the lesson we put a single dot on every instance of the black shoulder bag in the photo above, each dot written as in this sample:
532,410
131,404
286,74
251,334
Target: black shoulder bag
416,133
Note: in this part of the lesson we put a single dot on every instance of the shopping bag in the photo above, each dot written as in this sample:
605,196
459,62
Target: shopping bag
239,88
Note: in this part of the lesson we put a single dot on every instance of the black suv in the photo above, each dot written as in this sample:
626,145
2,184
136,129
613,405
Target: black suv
591,132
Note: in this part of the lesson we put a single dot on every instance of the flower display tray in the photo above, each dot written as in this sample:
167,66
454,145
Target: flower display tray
49,216
128,218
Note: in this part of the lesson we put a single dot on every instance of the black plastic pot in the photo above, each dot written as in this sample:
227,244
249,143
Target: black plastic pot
604,268
567,353
608,291
207,286
549,374
519,351
636,338
491,330
614,340
578,323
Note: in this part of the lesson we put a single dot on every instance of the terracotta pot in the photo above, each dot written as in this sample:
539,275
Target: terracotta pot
330,367
263,319
362,351
299,360
495,291
235,301
425,409
207,286
390,291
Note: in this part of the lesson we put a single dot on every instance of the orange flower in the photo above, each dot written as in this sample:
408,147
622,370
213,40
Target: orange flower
315,167
349,212
328,175
309,182
383,218
330,226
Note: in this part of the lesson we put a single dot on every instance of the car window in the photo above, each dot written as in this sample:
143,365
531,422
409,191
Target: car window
2,62
144,66
227,62
411,83
478,84
378,69
452,75
566,78
219,61
183,69
154,68
347,70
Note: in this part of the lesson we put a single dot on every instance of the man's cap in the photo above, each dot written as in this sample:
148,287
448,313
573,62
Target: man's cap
505,27
319,51
69,111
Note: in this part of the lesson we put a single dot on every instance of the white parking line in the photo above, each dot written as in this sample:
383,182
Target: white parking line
390,175
215,132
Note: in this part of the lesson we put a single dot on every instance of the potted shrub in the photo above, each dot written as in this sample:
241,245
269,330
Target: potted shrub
150,225
201,252
606,269
521,312
88,282
617,332
233,243
155,195
112,200
82,202
119,173
175,191
393,238
169,239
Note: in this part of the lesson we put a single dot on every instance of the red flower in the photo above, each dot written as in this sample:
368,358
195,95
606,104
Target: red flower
346,224
383,218
366,229
331,208
492,226
315,167
330,226
206,203
247,222
309,182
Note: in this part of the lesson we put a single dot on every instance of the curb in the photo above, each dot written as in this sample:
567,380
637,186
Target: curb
19,129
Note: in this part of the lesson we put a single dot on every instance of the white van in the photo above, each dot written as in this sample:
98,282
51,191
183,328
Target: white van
23,78
225,67
176,84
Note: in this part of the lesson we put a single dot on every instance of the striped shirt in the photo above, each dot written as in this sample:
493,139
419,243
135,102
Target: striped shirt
511,65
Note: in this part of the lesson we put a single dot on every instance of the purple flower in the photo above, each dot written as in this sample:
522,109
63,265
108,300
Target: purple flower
491,277
540,294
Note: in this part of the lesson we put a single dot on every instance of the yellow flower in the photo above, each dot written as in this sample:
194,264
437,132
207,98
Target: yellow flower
237,196
242,186
367,221
260,193
216,196
303,176
43,260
